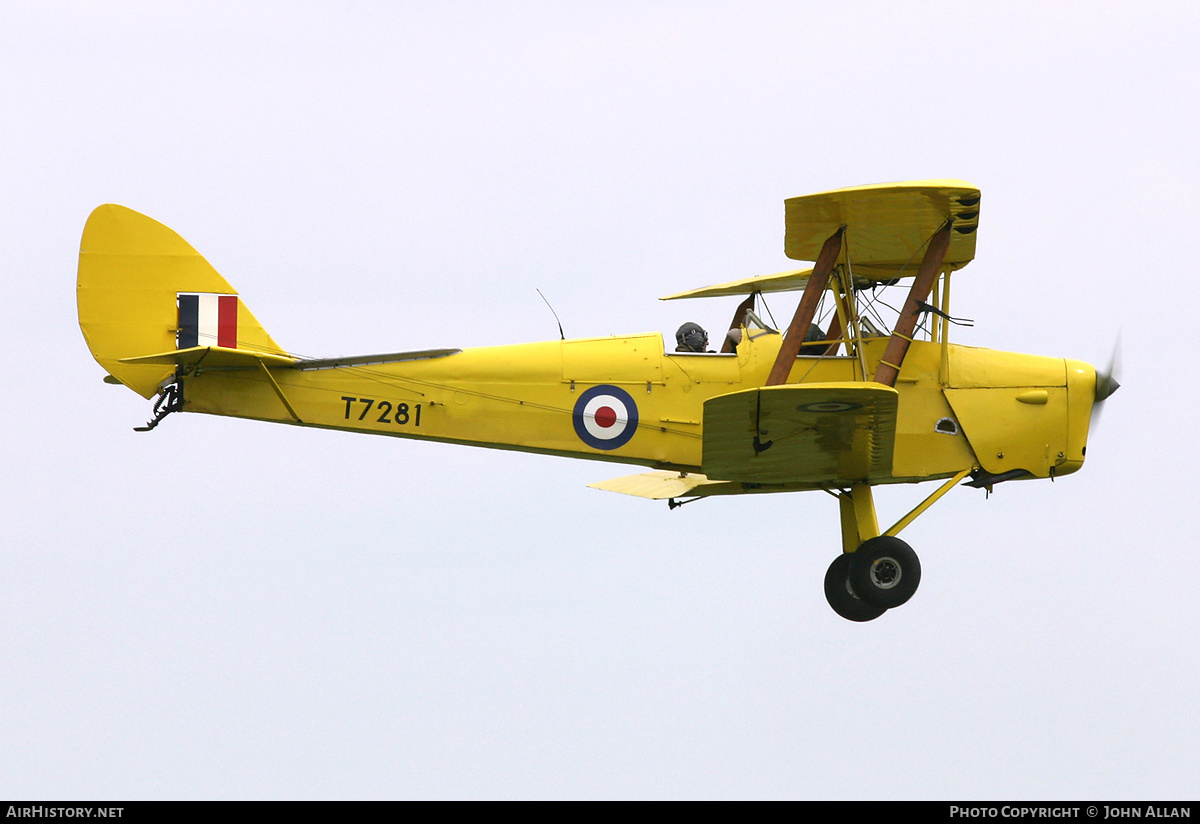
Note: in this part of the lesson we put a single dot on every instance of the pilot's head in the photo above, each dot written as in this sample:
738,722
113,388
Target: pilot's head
691,337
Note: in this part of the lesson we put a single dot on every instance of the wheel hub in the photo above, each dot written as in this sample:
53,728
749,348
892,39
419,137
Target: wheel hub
886,572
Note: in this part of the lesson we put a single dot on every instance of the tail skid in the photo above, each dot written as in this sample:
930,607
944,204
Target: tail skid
170,399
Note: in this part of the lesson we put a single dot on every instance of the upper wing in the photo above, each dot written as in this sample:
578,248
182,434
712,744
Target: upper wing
887,224
887,227
822,433
791,280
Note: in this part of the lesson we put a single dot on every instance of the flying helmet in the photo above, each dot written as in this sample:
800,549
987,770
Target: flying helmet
691,337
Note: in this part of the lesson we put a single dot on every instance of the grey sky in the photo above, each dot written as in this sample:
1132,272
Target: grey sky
222,609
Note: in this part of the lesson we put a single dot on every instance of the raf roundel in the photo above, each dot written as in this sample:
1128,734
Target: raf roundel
605,417
829,406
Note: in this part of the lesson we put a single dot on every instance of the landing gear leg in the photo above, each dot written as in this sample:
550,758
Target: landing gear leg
875,572
859,523
880,570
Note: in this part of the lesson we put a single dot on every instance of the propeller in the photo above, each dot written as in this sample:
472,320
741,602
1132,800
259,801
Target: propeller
1106,382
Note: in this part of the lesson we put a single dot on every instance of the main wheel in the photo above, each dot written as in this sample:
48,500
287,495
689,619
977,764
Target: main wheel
884,571
842,598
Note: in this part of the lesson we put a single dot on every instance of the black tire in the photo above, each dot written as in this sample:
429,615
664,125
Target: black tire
885,572
842,598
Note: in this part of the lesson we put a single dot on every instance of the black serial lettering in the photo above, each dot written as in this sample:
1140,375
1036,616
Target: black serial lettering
404,414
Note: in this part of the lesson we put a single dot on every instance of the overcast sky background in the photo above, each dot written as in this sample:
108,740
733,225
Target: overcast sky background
224,609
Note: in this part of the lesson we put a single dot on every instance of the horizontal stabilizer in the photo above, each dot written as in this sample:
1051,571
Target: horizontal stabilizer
214,357
373,360
822,434
220,357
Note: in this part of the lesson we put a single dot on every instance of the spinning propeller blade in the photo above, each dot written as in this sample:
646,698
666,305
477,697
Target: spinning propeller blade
1106,382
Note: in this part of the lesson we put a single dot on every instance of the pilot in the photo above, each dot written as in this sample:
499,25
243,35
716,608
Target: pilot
816,337
691,337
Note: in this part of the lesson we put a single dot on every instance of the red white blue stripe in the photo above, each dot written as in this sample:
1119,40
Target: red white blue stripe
207,319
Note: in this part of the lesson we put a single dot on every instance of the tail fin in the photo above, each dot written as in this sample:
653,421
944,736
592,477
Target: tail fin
143,290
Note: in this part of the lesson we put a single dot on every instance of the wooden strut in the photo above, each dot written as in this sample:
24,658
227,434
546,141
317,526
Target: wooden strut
807,309
893,357
739,320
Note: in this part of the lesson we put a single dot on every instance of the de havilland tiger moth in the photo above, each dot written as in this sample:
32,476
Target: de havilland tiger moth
842,406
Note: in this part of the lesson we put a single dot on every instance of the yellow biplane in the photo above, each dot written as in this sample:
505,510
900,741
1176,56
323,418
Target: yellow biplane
840,407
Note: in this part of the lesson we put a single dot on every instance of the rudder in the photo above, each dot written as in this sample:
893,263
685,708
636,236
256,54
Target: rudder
143,289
